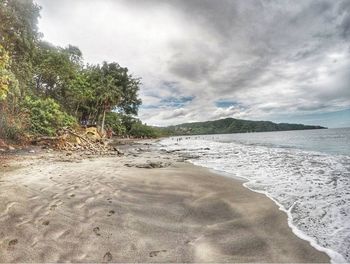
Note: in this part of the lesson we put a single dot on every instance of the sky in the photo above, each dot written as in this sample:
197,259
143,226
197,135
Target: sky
282,60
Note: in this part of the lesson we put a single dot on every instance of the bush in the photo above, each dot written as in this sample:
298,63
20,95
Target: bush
11,128
140,130
115,122
46,116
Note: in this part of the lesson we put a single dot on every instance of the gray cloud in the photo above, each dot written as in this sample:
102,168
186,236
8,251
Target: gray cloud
272,57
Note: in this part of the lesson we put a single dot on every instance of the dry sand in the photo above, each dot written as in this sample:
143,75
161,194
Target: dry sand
99,210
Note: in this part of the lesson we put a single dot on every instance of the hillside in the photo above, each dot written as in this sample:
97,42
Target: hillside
232,125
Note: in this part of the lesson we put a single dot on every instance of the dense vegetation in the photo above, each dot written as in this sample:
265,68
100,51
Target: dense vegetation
44,87
231,125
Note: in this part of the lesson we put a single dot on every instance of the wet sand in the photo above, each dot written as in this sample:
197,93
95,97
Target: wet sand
100,210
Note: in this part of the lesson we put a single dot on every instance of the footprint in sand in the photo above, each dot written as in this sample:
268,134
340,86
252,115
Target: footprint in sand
55,205
72,195
12,243
96,231
107,257
155,253
111,212
46,222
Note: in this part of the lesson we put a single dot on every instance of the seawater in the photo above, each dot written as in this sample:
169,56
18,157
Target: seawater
307,173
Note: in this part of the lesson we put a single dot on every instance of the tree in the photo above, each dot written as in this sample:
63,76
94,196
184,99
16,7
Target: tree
115,122
55,71
8,82
4,73
19,36
113,89
143,130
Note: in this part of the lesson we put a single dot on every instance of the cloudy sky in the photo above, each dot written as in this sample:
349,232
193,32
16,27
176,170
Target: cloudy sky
285,61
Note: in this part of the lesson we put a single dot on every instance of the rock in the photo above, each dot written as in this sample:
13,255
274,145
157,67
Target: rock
118,151
143,166
159,164
189,156
175,150
69,153
150,165
31,151
206,148
2,150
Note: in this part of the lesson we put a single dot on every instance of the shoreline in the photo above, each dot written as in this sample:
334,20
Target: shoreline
177,212
334,256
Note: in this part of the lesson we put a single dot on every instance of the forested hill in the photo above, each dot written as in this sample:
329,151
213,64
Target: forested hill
232,125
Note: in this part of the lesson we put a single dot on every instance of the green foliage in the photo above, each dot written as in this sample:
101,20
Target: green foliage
4,76
141,131
115,122
46,116
112,89
8,82
51,84
11,128
19,35
55,71
123,125
231,125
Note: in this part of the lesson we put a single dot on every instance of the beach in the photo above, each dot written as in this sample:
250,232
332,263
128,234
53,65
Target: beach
145,206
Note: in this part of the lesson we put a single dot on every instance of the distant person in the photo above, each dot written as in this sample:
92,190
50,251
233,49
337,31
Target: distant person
109,133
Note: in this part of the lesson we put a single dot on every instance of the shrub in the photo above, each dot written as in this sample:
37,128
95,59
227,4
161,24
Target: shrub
115,122
11,128
140,130
46,116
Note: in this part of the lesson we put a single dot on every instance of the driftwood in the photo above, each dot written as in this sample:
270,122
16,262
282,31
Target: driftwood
71,140
79,136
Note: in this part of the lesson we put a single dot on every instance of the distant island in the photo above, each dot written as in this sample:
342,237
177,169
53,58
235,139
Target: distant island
232,125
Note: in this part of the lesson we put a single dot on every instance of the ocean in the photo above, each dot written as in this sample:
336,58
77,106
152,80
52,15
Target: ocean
306,172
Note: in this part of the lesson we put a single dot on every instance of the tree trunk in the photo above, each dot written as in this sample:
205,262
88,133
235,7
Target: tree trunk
103,122
76,110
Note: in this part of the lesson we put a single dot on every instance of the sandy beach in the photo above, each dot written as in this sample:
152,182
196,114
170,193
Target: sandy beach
57,208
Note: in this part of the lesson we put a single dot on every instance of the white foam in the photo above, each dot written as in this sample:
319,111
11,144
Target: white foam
312,188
